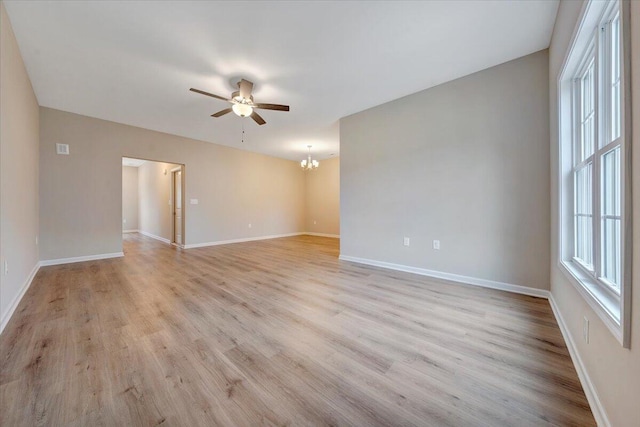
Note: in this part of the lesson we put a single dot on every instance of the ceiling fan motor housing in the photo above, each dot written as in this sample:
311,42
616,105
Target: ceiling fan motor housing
236,97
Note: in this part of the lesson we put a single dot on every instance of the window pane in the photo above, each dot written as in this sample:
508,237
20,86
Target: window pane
584,240
584,190
583,219
611,191
587,137
587,109
611,262
611,219
615,79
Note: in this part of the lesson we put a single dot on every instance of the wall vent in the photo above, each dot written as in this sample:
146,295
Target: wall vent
62,149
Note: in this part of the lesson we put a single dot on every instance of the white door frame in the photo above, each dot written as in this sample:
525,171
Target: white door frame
182,205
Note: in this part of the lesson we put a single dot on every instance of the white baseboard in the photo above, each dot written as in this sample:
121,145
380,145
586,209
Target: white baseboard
80,259
334,236
589,390
525,290
153,236
248,239
14,304
130,231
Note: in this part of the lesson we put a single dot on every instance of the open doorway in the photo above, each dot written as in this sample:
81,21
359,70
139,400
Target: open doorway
176,203
152,199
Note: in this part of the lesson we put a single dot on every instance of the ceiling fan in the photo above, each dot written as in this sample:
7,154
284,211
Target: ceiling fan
242,102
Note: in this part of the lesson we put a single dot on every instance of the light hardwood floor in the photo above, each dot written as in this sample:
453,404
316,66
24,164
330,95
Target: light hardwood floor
277,332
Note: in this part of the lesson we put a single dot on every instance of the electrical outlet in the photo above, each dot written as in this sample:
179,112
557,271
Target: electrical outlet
124,221
436,245
314,222
6,267
407,241
585,329
249,225
36,240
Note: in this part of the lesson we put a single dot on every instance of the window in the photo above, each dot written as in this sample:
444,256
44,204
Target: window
592,157
584,136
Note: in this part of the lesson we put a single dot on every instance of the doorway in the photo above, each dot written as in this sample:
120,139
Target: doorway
153,200
177,203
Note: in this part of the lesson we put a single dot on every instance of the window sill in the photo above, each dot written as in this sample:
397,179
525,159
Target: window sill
605,305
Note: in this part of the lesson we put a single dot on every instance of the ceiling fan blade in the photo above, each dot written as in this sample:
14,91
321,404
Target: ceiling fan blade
208,94
277,107
245,88
221,112
259,120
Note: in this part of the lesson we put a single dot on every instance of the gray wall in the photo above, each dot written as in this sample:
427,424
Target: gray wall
613,370
129,198
18,172
154,194
80,194
466,163
323,198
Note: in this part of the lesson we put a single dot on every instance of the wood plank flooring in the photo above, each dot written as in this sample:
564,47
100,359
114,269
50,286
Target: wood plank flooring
277,332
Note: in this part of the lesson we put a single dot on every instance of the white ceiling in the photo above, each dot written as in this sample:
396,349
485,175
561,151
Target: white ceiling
134,62
128,161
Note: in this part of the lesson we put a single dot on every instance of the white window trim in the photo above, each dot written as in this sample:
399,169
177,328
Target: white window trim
613,310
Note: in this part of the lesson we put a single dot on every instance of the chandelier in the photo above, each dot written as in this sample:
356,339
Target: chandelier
308,164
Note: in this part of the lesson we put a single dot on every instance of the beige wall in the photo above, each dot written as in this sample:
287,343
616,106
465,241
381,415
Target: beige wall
613,370
323,198
129,198
19,134
154,192
80,194
466,163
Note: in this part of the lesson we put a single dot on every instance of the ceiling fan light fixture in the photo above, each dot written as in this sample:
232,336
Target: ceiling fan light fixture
242,103
242,110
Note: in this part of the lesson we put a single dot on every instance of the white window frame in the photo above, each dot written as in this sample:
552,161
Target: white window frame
578,162
591,42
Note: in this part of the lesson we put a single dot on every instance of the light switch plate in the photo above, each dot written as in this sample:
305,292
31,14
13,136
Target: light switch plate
193,201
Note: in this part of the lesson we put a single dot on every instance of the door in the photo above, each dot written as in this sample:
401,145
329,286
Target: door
177,207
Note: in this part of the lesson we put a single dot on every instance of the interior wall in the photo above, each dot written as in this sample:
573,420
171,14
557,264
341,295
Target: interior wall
465,163
154,196
613,371
129,198
80,194
322,198
19,137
